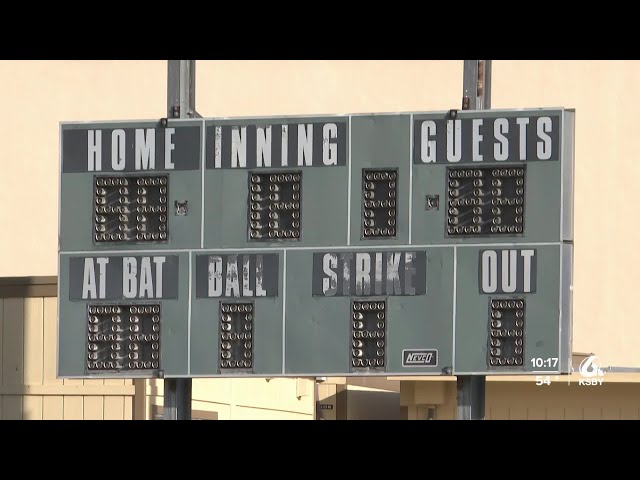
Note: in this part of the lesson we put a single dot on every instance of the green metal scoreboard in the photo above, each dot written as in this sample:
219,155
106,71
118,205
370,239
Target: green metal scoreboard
435,243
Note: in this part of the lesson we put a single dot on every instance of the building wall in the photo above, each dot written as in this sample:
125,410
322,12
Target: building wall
29,389
243,399
522,399
606,258
358,398
43,94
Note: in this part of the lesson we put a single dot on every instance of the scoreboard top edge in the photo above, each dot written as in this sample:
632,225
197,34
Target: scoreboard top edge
437,114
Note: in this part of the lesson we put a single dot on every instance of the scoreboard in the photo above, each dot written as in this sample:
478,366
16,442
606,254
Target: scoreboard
435,243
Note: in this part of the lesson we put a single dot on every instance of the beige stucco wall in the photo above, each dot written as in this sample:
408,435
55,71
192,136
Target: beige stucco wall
244,398
41,94
519,398
607,260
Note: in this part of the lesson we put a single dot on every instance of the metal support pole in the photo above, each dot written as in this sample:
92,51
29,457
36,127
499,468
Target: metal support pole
476,85
476,96
181,89
181,103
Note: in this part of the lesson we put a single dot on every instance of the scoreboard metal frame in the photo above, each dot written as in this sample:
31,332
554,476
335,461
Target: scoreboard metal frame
285,234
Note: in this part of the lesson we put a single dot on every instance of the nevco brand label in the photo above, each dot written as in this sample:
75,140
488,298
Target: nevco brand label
420,358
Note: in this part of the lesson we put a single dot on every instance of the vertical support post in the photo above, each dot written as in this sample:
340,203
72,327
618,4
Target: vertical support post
181,100
476,96
476,85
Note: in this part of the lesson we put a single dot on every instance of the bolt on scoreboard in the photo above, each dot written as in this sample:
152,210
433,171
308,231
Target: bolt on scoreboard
435,243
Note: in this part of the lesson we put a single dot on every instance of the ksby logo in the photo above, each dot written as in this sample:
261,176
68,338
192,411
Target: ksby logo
419,358
590,371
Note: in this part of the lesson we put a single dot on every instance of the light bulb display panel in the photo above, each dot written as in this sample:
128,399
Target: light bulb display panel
131,209
274,206
506,332
368,334
485,201
236,336
123,337
379,203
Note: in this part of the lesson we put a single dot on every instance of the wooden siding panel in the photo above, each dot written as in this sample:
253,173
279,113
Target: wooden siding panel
498,413
93,408
12,407
73,407
629,413
114,408
592,413
33,359
50,347
128,408
12,341
32,407
555,413
53,407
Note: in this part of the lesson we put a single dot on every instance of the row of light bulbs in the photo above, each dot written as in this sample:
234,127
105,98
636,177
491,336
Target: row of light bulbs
372,187
360,343
478,182
94,347
502,361
235,363
464,229
496,192
134,355
510,201
465,202
371,362
97,316
237,308
368,213
295,206
379,232
479,173
117,365
376,176
125,210
123,181
276,234
275,188
142,191
235,336
364,306
504,304
367,334
379,203
277,178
